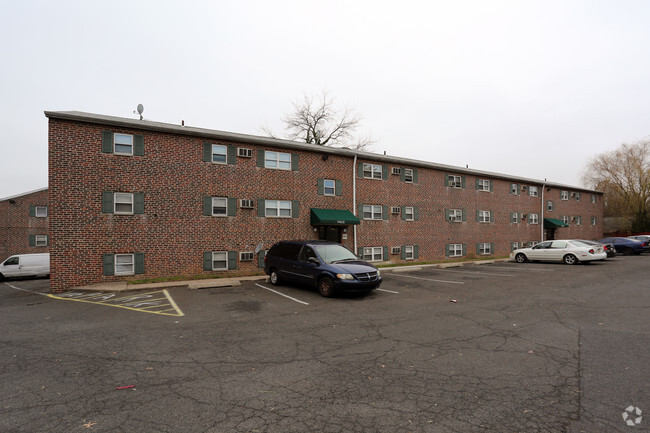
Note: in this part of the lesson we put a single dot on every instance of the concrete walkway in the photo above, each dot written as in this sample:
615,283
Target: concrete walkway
209,283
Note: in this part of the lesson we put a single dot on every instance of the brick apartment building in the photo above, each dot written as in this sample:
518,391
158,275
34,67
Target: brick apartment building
24,223
134,199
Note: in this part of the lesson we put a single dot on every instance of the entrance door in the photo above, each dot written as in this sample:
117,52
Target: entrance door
550,234
329,233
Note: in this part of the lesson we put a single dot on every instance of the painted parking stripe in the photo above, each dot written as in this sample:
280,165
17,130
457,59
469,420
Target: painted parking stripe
159,302
282,294
515,268
428,279
389,291
479,273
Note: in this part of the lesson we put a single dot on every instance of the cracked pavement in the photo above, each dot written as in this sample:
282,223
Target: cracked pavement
527,348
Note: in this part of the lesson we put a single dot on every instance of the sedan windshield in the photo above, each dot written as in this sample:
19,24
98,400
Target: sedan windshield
335,253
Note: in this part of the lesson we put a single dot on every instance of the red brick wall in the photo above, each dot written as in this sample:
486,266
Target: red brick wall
16,225
173,233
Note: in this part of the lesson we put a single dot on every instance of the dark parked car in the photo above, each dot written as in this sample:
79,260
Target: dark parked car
627,246
608,248
326,265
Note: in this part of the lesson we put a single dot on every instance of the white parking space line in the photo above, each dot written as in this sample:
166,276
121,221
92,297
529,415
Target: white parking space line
428,279
515,268
25,290
384,290
479,273
282,294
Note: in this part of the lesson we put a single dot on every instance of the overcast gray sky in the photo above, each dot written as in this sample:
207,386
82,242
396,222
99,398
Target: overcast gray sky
529,88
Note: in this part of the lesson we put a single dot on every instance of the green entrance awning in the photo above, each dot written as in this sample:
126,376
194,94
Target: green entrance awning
332,217
552,223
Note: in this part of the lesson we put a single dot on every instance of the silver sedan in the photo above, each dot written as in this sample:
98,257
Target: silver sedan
569,251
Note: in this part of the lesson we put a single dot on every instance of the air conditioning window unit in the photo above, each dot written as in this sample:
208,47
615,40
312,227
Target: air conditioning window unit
395,209
244,152
396,250
246,204
396,170
573,194
524,187
246,256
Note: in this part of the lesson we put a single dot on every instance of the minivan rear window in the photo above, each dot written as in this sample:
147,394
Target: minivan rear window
286,251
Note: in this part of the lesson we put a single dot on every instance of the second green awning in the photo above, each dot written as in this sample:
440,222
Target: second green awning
552,223
332,217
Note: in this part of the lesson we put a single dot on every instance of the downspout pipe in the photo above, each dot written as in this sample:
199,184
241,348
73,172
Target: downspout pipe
354,201
541,223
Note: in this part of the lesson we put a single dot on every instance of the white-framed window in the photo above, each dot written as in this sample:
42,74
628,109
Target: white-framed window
533,218
409,213
277,160
514,188
372,171
577,220
372,212
578,196
219,206
373,254
219,154
593,198
408,175
40,240
455,215
565,219
594,220
514,217
124,264
246,256
277,208
514,246
549,205
455,250
483,185
484,248
41,211
220,260
329,187
123,144
533,191
123,203
484,216
455,181
564,195
408,252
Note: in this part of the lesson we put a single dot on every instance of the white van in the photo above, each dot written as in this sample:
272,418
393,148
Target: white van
25,265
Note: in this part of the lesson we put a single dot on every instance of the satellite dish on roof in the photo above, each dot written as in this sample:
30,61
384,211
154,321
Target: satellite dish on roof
140,110
259,247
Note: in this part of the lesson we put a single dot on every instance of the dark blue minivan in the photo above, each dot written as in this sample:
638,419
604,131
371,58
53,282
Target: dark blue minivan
329,266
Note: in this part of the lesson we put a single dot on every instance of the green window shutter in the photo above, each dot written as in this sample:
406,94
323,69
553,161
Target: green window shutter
491,186
384,212
261,207
464,249
447,250
512,216
107,143
207,152
384,255
260,258
403,212
464,214
260,158
232,206
492,248
360,169
477,216
478,249
402,174
477,182
491,216
360,251
231,155
107,202
416,213
138,145
295,208
338,186
207,206
415,175
232,260
402,252
207,261
321,186
416,252
295,158
32,240
139,263
32,211
138,203
446,180
360,214
448,214
108,261
384,172
462,182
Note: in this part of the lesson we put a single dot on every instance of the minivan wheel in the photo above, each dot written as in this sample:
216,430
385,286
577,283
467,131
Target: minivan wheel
520,258
326,287
274,277
570,259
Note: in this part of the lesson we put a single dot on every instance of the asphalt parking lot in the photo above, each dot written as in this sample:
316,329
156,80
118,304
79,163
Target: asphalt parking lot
524,348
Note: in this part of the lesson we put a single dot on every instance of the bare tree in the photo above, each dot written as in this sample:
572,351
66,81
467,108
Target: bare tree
316,120
624,176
